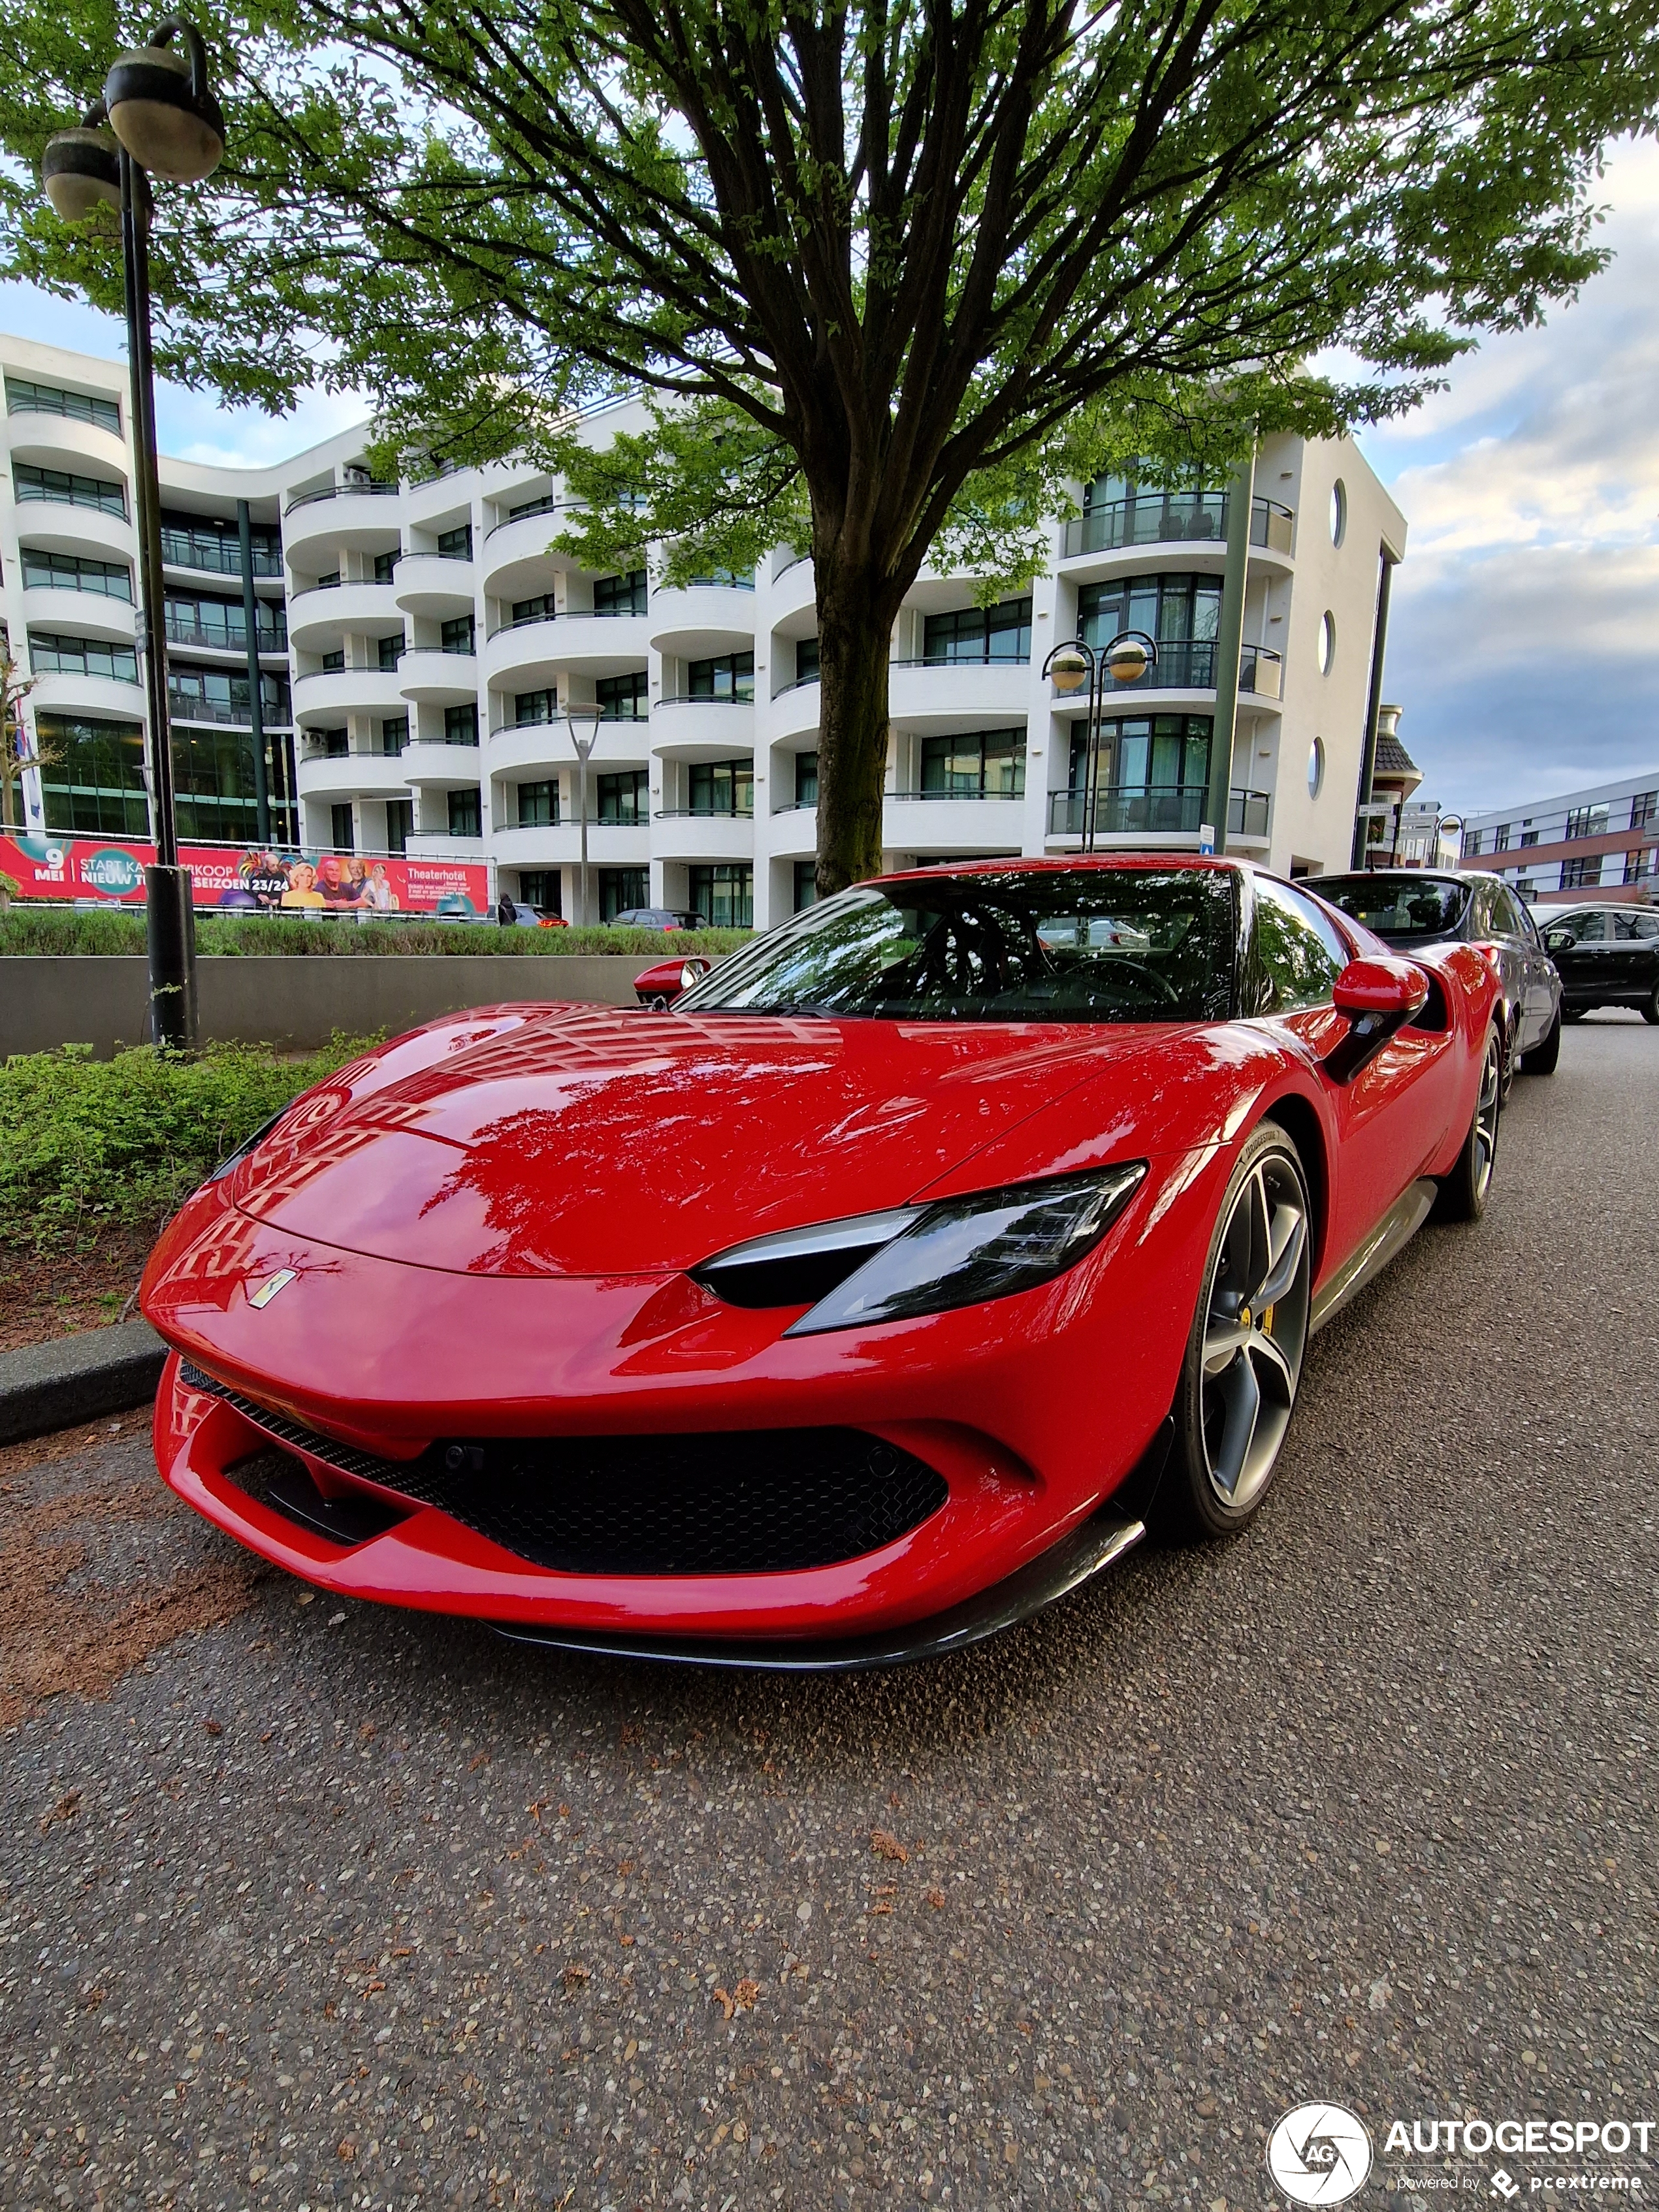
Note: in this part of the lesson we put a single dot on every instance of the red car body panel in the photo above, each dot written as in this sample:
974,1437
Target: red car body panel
488,1224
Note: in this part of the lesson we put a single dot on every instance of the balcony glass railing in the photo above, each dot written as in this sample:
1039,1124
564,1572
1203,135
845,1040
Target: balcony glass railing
1188,665
340,491
704,814
221,639
220,555
988,657
1158,810
190,707
1174,518
960,791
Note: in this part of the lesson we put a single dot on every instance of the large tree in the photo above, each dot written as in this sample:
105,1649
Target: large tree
892,275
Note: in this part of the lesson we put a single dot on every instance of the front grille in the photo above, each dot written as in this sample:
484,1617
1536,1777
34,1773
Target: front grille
746,1501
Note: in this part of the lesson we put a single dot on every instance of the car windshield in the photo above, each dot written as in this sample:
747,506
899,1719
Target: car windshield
1398,904
1120,944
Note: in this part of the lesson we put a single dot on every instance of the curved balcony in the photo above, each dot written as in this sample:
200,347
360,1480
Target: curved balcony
793,590
702,729
319,617
952,822
446,768
326,695
610,845
530,749
959,694
87,694
794,712
1176,518
516,561
362,517
792,833
700,621
351,775
58,441
434,584
55,526
1160,811
528,654
1185,674
79,614
438,679
680,833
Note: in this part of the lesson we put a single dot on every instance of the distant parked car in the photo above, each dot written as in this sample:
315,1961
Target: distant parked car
656,917
1608,956
1412,906
657,987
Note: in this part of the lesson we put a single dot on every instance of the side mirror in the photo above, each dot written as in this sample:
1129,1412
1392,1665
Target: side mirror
694,971
1559,940
1378,997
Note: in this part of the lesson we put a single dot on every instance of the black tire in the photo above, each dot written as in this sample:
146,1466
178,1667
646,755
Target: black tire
1230,1418
1463,1192
1651,1007
1541,1060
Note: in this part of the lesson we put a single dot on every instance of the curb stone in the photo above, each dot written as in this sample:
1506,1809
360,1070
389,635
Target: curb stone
77,1378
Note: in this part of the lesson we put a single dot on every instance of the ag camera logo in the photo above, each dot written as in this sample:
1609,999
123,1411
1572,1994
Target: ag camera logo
1320,2154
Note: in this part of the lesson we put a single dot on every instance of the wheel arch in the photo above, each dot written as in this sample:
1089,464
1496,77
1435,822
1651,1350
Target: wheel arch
1300,1122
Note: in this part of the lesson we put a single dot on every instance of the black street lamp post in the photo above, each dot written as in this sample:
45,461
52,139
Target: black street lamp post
1126,659
157,115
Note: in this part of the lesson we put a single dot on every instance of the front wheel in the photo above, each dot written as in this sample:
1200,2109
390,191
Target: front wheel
1651,1007
1463,1192
1541,1060
1243,1362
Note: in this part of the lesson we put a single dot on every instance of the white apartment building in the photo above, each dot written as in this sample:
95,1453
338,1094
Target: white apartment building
420,644
1602,843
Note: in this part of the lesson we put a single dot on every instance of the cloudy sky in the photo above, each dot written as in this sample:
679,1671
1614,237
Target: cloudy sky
1524,644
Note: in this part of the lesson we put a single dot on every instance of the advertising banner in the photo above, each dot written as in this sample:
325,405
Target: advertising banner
248,878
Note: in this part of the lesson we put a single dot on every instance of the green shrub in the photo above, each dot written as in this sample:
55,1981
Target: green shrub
43,929
10,887
84,1142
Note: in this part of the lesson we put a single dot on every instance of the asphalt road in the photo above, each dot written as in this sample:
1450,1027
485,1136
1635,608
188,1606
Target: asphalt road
326,1907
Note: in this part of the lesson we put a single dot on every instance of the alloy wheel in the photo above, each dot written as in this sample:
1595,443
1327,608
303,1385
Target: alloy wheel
1256,1331
1486,1118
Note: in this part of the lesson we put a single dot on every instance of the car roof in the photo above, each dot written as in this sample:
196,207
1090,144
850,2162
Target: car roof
1048,864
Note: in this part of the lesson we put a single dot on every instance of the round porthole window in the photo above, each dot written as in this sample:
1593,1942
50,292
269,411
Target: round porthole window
1339,512
1327,642
1315,767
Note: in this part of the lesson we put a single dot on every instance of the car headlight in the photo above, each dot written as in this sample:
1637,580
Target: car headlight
926,1260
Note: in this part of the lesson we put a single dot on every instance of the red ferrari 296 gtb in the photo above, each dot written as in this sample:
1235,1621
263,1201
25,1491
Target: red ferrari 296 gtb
852,1310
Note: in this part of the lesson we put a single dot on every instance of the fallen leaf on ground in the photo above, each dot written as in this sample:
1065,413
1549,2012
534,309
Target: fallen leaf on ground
887,1846
65,1809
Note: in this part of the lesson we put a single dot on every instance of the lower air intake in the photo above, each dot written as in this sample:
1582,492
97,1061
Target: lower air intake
747,1501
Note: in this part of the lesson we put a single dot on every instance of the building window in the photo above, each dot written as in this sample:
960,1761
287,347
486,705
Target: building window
806,779
1643,808
1500,838
1471,844
461,724
25,397
394,733
67,489
806,660
219,694
93,781
540,609
724,895
399,823
332,744
456,544
722,786
391,650
535,707
334,662
51,654
540,888
1528,838
340,827
735,579
1152,777
624,698
1639,863
198,541
620,595
1577,874
464,815
71,572
625,797
203,618
456,636
544,503
213,778
1585,822
980,633
731,676
539,804
806,885
1182,612
978,764
621,890
384,565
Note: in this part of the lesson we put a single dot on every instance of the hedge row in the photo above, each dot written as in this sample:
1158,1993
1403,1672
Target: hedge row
113,929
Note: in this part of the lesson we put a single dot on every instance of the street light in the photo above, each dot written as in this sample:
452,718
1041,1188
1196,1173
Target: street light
1126,660
158,112
583,724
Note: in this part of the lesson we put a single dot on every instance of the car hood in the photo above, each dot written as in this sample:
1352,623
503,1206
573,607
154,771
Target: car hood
593,1141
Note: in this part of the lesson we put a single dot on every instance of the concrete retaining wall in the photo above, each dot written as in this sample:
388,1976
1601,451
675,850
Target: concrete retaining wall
291,1002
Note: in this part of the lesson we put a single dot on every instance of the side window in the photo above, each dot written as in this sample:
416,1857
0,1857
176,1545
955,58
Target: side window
1297,948
1483,909
1645,925
1588,928
1508,913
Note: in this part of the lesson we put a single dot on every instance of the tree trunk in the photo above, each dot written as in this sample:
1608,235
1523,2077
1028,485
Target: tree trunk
855,626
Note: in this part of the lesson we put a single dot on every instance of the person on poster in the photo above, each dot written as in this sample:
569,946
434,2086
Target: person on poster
335,883
302,890
378,894
264,877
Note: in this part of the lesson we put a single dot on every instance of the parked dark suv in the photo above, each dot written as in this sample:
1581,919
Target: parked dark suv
1408,907
1608,956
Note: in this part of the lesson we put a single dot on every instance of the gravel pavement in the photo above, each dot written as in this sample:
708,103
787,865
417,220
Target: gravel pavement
323,1906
